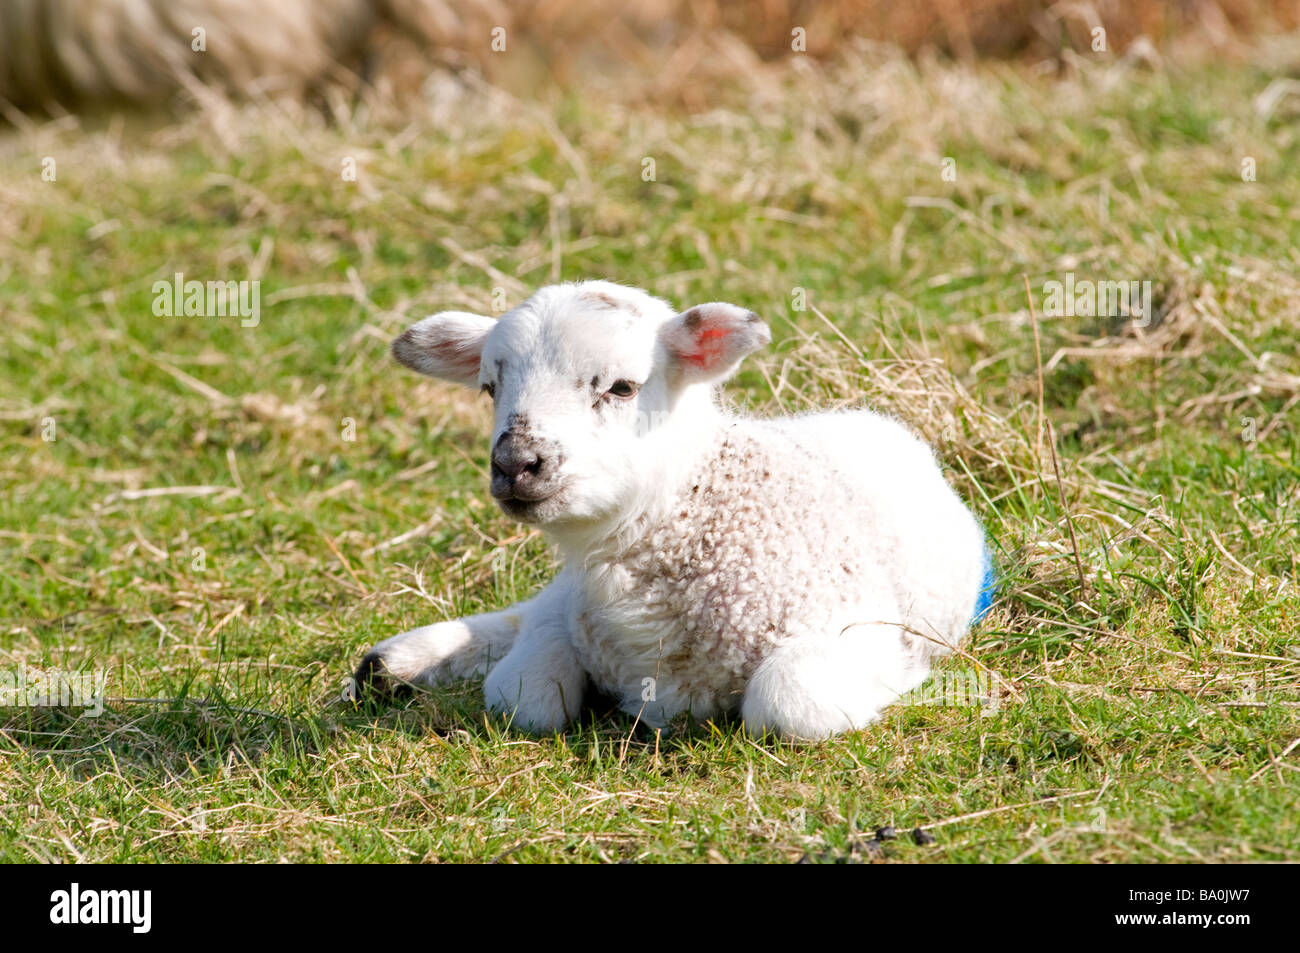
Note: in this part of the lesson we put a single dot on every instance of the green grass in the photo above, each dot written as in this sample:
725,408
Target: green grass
1143,715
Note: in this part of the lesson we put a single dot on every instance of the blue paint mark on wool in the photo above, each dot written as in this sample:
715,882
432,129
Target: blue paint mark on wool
988,589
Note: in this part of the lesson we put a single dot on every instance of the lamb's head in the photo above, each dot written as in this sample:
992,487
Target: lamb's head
581,375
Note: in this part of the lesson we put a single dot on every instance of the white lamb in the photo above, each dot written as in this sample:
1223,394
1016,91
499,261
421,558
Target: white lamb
803,571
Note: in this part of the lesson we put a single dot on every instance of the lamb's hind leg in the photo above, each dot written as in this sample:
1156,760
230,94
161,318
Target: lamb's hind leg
443,652
814,687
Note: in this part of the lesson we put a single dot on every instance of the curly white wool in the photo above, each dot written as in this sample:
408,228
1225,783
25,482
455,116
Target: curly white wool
778,536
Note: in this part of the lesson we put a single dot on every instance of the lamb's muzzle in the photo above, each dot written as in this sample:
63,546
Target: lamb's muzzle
520,472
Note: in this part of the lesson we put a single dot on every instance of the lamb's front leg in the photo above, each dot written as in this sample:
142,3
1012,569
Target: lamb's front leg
540,684
443,652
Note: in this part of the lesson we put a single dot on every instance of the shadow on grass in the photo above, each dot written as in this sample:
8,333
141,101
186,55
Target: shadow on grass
172,737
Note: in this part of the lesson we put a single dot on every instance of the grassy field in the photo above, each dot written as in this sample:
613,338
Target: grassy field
219,519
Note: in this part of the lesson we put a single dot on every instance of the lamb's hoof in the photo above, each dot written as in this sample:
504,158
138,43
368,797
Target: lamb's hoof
373,680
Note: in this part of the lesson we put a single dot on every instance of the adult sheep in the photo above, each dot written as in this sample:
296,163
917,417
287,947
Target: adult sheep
59,54
803,571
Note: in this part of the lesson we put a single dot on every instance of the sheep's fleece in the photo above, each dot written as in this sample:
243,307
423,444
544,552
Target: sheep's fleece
802,571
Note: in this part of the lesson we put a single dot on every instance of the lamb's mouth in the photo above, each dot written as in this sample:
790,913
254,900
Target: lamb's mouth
523,507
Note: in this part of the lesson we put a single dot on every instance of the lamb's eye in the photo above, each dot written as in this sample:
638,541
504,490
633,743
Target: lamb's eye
623,389
490,390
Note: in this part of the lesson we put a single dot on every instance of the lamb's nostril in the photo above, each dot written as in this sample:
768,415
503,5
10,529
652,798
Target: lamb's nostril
513,458
514,467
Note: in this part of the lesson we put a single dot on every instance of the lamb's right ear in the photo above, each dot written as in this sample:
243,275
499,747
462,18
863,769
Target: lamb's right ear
448,345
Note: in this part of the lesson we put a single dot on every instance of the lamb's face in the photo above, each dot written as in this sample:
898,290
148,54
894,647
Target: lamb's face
575,383
579,375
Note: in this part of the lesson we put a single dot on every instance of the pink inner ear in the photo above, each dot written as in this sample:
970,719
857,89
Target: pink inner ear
710,342
705,331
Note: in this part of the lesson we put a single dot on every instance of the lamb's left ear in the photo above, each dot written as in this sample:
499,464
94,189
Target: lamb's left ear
706,342
447,345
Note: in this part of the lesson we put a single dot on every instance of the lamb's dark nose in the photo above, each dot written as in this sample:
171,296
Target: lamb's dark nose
517,467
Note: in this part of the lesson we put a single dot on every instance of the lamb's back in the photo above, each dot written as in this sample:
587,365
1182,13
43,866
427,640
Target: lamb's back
925,539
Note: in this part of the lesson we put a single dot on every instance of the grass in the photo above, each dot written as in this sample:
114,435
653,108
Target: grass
1147,670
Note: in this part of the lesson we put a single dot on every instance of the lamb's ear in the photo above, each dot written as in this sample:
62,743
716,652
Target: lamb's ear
706,342
448,345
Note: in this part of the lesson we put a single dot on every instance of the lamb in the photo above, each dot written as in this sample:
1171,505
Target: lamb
801,571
